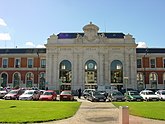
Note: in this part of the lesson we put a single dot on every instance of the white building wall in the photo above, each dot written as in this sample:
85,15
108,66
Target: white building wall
78,51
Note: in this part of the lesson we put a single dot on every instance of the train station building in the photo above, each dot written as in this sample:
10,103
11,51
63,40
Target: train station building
86,59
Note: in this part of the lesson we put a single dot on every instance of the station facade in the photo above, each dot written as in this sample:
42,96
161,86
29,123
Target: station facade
85,59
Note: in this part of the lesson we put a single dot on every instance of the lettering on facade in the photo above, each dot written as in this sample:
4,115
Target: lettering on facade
91,49
116,49
65,49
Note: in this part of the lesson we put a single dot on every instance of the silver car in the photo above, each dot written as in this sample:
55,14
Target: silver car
3,92
116,96
149,95
160,94
30,95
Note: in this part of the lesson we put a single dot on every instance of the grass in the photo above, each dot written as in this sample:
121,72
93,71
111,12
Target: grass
35,111
152,110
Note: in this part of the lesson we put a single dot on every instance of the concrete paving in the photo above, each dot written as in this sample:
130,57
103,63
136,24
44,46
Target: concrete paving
101,113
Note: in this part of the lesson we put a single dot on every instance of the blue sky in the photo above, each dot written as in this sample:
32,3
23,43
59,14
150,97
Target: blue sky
28,23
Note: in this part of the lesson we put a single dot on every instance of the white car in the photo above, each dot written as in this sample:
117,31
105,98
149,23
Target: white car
3,92
30,95
160,94
86,92
149,95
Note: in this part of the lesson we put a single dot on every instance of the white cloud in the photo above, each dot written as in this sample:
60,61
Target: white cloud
29,44
5,36
40,46
142,45
2,22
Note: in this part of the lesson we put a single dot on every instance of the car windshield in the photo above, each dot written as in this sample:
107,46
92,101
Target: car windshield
163,92
87,91
65,92
1,89
97,93
48,93
150,93
134,93
117,94
29,92
13,92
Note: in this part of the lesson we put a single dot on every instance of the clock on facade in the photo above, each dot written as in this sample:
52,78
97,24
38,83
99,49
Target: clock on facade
90,65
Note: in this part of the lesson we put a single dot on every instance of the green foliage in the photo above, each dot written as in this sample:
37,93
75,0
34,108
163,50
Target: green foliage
35,111
153,110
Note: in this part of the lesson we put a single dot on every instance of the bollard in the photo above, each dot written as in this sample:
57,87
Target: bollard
123,115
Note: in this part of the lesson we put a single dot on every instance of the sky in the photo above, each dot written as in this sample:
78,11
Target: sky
28,23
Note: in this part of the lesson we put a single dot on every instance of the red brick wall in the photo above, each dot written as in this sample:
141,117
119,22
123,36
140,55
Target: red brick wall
11,62
23,62
145,62
36,62
159,62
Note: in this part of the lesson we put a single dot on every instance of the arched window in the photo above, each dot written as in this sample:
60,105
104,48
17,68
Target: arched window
4,78
16,79
116,72
29,79
140,81
153,80
42,81
90,74
65,75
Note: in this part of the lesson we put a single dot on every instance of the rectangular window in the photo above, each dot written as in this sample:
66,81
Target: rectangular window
5,63
17,63
30,63
152,62
139,63
43,63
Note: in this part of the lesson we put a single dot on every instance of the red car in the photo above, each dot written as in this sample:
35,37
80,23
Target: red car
48,95
14,94
66,95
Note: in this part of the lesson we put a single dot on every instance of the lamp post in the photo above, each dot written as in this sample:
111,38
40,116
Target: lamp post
1,81
126,82
145,81
37,69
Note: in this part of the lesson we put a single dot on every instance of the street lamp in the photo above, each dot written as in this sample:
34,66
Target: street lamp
145,81
1,81
37,69
126,82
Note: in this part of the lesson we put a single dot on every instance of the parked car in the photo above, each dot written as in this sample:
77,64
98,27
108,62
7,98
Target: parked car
3,92
30,95
86,92
160,94
123,91
153,90
96,96
48,95
66,95
14,94
133,96
104,93
149,95
116,95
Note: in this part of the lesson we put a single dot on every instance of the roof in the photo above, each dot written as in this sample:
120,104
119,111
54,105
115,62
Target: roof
43,50
22,50
74,35
150,50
